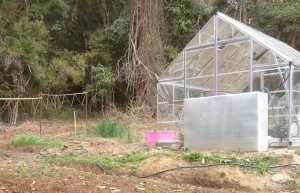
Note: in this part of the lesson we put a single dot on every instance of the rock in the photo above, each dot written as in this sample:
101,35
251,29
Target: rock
64,147
175,147
203,161
281,177
296,159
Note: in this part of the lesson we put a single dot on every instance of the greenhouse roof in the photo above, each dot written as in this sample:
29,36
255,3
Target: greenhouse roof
276,45
231,47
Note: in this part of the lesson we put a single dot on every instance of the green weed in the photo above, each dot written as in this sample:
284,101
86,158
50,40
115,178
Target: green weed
222,174
260,163
3,154
108,162
79,133
134,157
292,185
46,170
110,129
21,140
193,156
126,160
21,169
297,152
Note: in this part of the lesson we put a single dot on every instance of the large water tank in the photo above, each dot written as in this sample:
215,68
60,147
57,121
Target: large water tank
227,122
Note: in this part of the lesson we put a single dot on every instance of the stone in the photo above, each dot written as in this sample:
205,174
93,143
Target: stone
296,159
64,147
175,147
203,161
280,177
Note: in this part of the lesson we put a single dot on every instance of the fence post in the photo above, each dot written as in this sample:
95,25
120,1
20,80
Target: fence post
40,114
86,110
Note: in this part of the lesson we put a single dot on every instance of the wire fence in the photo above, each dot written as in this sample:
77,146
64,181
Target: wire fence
46,115
15,111
64,113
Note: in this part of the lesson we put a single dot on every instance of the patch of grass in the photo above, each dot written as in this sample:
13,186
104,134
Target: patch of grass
264,159
22,140
79,133
128,160
46,170
21,169
222,174
110,129
229,152
193,156
108,162
260,163
3,154
292,185
297,152
135,157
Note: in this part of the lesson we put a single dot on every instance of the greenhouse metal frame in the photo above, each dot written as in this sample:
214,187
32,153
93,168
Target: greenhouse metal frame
229,57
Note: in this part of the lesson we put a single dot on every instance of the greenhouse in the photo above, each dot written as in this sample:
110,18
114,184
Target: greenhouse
227,57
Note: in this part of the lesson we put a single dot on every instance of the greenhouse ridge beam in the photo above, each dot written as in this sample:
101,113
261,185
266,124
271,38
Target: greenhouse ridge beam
219,43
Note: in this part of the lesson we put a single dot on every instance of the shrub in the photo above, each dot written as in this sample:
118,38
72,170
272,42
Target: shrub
110,129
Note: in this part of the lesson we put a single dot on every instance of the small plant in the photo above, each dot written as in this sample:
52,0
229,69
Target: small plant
21,140
234,159
134,157
3,154
79,133
21,169
110,129
292,184
229,152
46,170
222,174
297,152
193,156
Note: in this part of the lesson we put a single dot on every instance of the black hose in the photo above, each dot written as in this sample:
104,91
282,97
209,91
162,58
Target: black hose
193,166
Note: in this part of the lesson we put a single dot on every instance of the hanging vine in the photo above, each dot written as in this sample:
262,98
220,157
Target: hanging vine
143,58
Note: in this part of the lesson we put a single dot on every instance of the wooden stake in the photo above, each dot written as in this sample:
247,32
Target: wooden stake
75,121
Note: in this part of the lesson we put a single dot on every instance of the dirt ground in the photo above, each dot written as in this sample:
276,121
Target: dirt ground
23,170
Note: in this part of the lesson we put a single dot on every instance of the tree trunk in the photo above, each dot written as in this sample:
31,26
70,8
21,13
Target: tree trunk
293,41
245,17
13,111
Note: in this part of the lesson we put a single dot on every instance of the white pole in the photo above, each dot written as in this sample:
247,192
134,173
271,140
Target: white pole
75,121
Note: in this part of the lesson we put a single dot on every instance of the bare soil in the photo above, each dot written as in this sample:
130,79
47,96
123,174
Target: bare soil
23,170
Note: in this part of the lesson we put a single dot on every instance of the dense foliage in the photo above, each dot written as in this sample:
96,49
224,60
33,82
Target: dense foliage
64,46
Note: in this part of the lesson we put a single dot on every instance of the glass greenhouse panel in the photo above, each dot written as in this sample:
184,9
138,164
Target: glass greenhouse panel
175,69
170,92
233,83
227,30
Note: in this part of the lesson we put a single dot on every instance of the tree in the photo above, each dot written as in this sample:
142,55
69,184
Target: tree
280,19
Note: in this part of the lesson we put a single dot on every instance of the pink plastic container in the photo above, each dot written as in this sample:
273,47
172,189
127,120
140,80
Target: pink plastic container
161,136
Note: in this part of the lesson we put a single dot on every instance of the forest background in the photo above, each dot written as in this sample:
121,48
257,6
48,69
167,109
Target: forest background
114,49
